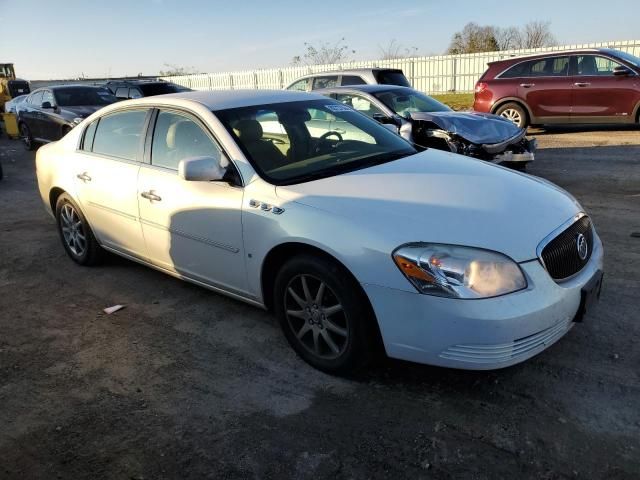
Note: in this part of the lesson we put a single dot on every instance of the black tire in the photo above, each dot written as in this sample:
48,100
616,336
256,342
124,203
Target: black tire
79,242
26,137
514,112
355,318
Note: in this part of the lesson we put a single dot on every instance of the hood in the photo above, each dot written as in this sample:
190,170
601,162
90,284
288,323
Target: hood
440,197
476,127
80,111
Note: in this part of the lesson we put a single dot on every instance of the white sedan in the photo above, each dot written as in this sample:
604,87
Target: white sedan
353,243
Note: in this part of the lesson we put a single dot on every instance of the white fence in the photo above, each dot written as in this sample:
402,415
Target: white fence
438,74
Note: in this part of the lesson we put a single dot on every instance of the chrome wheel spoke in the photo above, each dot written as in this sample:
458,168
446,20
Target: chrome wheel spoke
316,343
320,294
329,325
329,341
297,314
328,311
297,299
305,289
303,330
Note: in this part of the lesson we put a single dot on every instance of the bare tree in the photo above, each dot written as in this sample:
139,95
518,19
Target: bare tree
537,34
324,53
508,38
396,50
176,70
473,39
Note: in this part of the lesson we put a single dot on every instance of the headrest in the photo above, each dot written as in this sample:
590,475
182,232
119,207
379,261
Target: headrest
171,134
248,130
296,116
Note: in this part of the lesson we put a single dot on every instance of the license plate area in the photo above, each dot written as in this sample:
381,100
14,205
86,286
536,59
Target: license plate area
589,296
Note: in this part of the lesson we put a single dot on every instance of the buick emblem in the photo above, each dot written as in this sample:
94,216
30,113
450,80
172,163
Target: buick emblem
582,246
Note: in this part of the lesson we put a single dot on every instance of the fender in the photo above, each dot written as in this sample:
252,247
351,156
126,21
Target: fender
518,100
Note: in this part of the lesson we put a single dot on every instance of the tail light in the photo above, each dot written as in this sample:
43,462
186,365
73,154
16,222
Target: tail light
481,87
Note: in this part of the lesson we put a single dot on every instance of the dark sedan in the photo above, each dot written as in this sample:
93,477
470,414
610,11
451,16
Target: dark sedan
427,123
48,114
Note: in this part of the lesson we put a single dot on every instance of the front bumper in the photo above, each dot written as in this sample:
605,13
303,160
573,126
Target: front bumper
481,334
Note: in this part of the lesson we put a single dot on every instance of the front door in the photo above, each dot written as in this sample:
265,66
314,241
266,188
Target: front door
106,173
598,94
191,228
546,88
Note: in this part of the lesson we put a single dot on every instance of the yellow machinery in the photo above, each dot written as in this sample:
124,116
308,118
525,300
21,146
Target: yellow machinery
10,86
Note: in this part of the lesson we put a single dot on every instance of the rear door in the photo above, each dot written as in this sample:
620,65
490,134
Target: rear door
598,94
106,175
30,114
191,228
545,85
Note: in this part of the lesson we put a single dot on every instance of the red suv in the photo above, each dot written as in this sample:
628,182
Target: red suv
580,86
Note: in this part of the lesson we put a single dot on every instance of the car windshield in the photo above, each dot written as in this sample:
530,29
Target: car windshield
83,96
632,59
149,89
295,142
403,102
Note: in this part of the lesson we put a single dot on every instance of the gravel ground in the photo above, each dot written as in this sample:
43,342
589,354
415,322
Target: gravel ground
184,383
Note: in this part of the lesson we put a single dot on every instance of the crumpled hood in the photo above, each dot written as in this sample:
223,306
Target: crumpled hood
441,197
476,127
81,111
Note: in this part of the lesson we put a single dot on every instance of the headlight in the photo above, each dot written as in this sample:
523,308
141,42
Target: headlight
458,272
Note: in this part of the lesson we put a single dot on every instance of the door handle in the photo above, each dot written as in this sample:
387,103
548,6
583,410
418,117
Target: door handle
582,84
150,195
527,85
84,177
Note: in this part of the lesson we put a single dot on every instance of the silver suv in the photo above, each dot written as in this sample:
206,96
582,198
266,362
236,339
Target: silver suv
357,76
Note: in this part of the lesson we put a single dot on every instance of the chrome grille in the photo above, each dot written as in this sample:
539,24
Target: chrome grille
560,256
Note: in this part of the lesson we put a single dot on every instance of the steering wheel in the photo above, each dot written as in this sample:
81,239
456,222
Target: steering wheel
323,140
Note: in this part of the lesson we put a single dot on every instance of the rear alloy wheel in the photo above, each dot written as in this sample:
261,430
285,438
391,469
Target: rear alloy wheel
514,113
25,136
323,314
75,233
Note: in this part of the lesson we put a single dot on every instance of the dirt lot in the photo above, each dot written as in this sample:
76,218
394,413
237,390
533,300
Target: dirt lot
185,383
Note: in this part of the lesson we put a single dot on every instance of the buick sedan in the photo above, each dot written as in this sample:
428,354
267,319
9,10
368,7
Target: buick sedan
357,245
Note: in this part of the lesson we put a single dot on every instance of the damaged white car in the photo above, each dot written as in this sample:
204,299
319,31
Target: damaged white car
427,123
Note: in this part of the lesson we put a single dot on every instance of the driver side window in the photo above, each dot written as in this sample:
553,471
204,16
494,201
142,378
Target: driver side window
359,103
176,137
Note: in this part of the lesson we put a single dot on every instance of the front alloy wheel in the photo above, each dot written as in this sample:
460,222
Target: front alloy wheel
325,315
316,316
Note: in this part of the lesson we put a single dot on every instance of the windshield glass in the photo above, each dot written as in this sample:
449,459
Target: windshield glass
160,88
296,142
83,96
405,101
632,59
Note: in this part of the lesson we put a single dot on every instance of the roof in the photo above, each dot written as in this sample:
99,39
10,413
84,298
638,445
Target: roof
554,53
372,88
138,81
73,85
350,71
223,99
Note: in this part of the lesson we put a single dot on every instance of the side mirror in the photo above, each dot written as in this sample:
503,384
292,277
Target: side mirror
383,119
621,70
47,105
201,169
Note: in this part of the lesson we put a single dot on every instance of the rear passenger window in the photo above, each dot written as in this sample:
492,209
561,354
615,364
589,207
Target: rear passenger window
325,82
119,134
300,85
352,80
176,137
89,134
546,67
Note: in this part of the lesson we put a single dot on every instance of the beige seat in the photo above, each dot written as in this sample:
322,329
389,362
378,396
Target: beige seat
264,153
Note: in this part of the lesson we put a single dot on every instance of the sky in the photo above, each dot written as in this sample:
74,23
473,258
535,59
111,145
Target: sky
66,39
